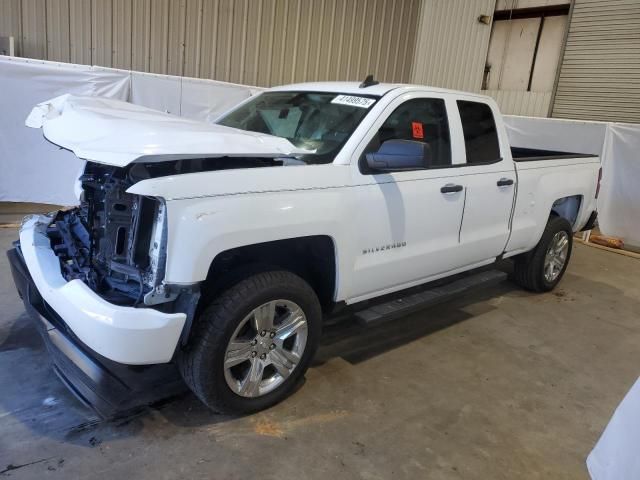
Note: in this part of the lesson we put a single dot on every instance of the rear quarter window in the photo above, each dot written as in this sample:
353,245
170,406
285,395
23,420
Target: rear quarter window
480,133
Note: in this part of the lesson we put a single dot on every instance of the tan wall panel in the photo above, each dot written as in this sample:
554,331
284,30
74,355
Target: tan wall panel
80,32
267,42
327,41
452,45
315,39
390,40
193,38
549,51
532,104
412,26
102,32
511,53
57,27
122,24
177,35
223,43
140,34
158,47
396,57
291,41
337,65
10,22
208,51
251,41
262,42
302,43
34,29
359,30
366,40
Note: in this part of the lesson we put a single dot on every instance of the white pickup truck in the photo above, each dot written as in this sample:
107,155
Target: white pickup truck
220,248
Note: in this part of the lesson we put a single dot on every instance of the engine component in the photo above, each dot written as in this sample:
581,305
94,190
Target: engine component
114,241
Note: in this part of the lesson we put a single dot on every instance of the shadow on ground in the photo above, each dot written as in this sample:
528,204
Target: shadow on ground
59,415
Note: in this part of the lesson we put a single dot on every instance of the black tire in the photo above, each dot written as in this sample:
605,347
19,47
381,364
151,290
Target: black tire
202,361
528,268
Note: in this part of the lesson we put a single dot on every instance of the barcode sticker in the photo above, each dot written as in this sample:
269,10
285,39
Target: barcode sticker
362,102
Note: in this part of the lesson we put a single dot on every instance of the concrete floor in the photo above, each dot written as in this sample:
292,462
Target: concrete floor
501,384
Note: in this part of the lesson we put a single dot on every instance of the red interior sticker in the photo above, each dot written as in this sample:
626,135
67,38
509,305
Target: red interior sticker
416,127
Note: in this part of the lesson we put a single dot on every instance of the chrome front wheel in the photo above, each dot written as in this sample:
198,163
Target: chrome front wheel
251,344
265,348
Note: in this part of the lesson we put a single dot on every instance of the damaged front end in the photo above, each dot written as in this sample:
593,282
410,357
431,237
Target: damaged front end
115,242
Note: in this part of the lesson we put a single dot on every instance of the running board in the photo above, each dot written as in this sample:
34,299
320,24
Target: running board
400,307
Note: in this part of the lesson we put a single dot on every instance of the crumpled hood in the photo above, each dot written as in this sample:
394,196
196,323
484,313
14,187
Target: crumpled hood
117,133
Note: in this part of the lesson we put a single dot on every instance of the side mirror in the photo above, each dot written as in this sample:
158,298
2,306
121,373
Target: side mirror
398,155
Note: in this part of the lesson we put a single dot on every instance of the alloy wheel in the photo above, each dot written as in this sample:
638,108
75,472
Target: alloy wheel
556,256
265,348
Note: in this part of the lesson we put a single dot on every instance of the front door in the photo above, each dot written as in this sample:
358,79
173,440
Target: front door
407,226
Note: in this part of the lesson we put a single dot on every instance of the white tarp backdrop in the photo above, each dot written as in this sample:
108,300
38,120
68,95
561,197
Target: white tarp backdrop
619,201
618,144
33,170
556,134
615,456
188,97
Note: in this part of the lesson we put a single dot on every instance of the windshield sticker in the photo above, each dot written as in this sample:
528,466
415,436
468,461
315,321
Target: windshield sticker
362,102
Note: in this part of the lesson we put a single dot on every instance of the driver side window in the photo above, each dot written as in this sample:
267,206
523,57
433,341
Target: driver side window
421,120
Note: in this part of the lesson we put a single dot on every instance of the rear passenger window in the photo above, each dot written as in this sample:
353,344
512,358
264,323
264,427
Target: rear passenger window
480,134
421,120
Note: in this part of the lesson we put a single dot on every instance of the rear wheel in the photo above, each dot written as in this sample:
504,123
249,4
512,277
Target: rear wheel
253,343
541,269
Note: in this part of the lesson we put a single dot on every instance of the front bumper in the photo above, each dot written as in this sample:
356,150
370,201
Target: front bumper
133,336
105,386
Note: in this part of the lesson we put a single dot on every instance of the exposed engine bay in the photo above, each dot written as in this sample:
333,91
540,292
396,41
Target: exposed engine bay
115,242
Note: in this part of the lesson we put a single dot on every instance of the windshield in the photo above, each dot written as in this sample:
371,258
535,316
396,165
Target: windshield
320,122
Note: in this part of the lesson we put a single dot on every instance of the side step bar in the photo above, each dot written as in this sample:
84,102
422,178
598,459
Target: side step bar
400,307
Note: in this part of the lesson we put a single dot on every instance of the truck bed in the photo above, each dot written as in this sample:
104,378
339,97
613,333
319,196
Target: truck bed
521,154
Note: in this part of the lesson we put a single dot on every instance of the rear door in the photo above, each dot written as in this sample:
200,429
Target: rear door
490,183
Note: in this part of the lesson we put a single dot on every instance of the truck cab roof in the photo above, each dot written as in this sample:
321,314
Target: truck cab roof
340,87
354,88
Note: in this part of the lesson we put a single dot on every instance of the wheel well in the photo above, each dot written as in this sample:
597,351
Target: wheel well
311,258
567,207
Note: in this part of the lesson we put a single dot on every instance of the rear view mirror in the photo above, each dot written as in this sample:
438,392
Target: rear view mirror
398,155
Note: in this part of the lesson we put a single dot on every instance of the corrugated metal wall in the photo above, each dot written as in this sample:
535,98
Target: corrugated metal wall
259,42
531,104
600,73
451,48
451,51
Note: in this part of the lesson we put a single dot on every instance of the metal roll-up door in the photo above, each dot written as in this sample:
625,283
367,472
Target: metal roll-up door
600,73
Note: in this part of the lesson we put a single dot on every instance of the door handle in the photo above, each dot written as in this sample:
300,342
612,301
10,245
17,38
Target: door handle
503,182
451,188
